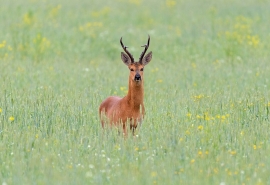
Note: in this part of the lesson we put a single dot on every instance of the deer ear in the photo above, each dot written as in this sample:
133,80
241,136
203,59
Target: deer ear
125,58
147,58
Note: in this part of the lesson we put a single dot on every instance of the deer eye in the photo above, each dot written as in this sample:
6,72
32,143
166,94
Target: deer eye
131,69
141,69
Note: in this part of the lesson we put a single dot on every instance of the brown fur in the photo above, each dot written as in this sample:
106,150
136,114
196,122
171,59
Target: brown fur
129,109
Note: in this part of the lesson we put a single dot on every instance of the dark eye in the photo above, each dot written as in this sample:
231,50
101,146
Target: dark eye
141,69
131,69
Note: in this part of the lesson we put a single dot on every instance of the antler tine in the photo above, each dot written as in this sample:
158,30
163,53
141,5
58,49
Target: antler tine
145,49
125,49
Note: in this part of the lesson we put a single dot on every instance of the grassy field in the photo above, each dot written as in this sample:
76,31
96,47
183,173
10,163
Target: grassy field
207,92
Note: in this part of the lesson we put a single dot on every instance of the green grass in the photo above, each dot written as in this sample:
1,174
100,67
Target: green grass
207,93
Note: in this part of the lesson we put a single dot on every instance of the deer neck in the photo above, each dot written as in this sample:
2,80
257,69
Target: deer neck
135,95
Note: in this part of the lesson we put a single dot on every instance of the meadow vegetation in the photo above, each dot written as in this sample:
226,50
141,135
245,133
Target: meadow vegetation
207,92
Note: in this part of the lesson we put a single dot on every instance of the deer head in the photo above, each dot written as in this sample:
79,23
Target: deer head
136,68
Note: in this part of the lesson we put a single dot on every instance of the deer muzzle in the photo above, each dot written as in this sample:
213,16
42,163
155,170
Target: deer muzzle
137,77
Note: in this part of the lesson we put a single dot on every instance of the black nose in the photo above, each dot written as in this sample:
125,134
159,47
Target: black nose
137,77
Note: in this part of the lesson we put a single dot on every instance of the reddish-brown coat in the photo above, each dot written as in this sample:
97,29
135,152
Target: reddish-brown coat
129,110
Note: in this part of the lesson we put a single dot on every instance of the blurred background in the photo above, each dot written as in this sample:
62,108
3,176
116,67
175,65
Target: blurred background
206,91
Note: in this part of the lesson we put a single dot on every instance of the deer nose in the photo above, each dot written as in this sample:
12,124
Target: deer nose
137,77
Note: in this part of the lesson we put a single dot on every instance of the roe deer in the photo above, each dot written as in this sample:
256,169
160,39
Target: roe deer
129,109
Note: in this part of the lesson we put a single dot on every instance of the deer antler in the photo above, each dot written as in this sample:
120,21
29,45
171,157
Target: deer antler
145,49
125,49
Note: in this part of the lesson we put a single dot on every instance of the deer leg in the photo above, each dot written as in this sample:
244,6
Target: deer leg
124,129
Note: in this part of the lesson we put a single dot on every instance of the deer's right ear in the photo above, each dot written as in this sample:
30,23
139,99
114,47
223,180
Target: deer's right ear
125,58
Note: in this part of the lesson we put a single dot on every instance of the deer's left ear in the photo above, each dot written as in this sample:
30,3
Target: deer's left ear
147,58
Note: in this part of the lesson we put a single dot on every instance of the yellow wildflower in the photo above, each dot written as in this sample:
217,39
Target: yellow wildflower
154,70
206,116
3,44
11,118
253,40
189,115
198,97
117,147
0,110
104,11
81,28
55,10
153,174
200,127
122,88
170,3
42,43
28,18
182,170
181,139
